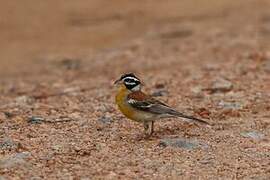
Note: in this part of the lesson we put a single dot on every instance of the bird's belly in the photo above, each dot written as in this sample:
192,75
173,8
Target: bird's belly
142,116
134,114
129,111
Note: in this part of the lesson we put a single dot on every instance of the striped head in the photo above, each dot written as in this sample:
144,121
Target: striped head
130,81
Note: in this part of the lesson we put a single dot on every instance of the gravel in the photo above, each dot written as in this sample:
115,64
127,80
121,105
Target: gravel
181,143
13,160
253,134
199,65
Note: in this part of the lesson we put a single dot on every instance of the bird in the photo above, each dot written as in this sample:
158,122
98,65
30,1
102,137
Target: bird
141,107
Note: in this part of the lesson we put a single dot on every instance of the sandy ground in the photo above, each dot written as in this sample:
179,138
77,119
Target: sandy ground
58,60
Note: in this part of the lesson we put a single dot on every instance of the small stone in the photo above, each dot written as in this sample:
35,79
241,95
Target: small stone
260,177
229,105
181,143
197,92
159,86
13,160
266,145
8,114
57,147
70,64
36,178
111,175
71,90
35,120
253,134
8,144
160,92
85,178
105,119
23,100
196,89
75,116
48,156
203,112
207,160
104,108
221,85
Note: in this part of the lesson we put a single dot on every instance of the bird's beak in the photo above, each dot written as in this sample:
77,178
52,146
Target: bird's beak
117,82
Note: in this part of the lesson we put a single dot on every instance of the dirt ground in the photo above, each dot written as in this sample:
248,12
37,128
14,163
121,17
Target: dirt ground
58,60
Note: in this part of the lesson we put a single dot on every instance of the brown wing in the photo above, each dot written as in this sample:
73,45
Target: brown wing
138,96
143,102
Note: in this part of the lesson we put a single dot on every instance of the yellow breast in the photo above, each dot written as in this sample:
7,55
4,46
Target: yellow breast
122,104
127,110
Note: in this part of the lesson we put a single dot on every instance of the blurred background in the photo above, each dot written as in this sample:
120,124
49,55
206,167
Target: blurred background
33,29
207,58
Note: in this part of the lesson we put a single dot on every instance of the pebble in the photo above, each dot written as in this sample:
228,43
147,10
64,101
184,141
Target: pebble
221,85
8,144
8,114
57,148
104,108
35,178
70,64
111,175
196,89
253,134
181,143
23,100
72,90
207,160
35,120
197,92
160,92
14,159
229,105
105,119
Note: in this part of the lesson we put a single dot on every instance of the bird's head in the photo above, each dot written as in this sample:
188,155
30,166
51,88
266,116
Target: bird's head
129,81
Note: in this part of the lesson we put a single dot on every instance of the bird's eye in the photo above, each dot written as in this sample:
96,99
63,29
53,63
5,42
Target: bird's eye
129,80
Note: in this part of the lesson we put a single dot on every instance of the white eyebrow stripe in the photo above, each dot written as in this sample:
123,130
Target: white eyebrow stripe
130,83
132,78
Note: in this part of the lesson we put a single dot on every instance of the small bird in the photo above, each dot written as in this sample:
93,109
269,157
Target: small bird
143,108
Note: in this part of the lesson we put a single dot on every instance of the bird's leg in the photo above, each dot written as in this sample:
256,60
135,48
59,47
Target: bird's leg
148,128
152,127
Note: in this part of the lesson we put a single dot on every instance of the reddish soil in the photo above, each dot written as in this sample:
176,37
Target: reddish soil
58,119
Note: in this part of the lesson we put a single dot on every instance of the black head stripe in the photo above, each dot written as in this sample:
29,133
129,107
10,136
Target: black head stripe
128,75
130,80
131,86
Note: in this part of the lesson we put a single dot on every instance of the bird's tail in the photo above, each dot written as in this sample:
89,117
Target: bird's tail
178,114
